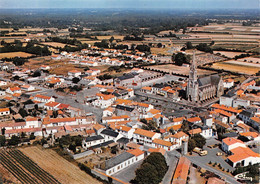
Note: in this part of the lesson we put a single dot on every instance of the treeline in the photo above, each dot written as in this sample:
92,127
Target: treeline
65,40
17,46
134,37
202,47
17,61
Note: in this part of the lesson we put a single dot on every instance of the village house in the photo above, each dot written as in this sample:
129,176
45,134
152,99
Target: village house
27,88
177,138
243,156
43,98
103,101
230,143
4,111
145,136
74,73
32,122
228,83
159,143
122,161
109,135
92,141
13,90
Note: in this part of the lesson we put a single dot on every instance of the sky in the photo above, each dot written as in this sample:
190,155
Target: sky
132,4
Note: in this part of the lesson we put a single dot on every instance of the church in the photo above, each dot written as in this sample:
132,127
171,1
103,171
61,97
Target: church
201,89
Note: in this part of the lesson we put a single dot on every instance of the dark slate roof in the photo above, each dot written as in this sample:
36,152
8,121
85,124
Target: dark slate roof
125,108
102,144
127,76
110,133
123,140
247,113
117,160
230,134
209,80
93,138
159,85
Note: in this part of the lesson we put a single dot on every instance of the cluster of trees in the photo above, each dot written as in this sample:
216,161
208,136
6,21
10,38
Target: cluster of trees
180,59
253,171
17,46
68,48
70,142
149,125
241,56
196,141
17,61
102,44
143,48
65,40
15,140
105,76
134,37
152,170
204,47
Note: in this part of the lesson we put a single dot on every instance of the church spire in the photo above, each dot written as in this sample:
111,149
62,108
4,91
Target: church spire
193,68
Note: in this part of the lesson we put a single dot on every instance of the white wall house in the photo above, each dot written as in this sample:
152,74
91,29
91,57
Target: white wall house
32,122
122,161
177,138
230,143
4,111
145,136
92,141
13,90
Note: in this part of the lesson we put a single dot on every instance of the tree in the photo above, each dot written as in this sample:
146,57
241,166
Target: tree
147,173
159,45
111,39
75,80
152,170
200,140
23,135
32,136
14,140
191,145
23,112
37,73
2,140
180,58
189,45
143,121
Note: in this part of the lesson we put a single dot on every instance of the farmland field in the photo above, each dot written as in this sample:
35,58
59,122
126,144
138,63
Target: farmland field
162,51
179,69
55,44
23,168
108,37
228,54
250,59
236,67
14,54
63,170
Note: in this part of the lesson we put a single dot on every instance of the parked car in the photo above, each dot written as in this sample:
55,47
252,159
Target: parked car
219,154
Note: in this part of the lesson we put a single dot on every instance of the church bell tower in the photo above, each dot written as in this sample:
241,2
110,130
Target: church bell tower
193,86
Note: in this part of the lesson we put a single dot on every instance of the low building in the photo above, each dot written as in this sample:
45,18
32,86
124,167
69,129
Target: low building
144,136
181,172
4,111
230,143
121,161
243,156
92,141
